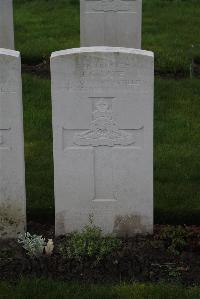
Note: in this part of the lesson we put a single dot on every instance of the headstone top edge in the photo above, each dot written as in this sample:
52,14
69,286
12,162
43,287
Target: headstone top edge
82,1
9,52
102,49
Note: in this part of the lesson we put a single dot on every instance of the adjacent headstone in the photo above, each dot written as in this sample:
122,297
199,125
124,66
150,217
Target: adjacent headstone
12,180
115,23
6,24
103,139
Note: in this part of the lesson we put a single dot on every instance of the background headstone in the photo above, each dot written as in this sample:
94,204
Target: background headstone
115,23
6,24
103,139
12,179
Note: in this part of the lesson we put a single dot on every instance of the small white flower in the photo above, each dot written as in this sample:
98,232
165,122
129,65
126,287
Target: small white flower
49,247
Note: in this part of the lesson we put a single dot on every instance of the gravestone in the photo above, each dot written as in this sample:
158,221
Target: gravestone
12,181
115,23
102,101
6,24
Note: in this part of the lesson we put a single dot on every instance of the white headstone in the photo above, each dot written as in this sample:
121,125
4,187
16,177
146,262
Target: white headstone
103,139
12,180
115,23
6,24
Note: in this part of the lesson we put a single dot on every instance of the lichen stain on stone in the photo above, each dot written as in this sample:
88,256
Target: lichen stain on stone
11,219
128,225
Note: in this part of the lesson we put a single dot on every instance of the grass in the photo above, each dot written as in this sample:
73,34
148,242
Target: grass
170,28
43,26
177,152
47,289
38,147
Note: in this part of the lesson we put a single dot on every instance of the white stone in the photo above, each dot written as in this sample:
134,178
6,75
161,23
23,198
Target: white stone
102,101
6,24
115,23
12,179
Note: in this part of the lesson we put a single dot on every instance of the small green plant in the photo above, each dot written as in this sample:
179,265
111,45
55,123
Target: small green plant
173,272
175,238
169,272
33,244
89,243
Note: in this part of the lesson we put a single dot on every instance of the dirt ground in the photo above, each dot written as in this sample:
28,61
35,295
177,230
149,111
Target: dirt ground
142,258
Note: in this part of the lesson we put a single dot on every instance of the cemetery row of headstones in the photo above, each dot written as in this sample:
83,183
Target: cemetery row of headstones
102,102
115,23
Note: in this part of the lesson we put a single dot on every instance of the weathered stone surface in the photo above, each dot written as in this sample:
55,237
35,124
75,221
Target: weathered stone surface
115,23
102,101
12,180
6,24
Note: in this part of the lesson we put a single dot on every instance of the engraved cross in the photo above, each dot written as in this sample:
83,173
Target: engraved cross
103,135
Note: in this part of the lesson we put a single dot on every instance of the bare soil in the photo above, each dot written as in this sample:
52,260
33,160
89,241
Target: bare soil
142,258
